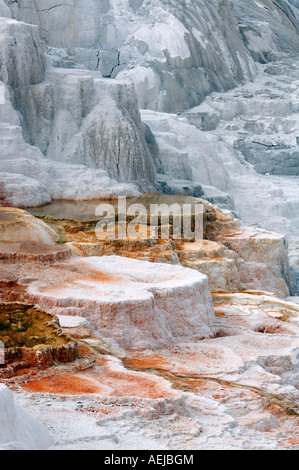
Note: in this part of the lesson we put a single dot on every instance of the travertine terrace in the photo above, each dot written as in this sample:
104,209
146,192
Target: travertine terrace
169,337
234,257
17,225
152,339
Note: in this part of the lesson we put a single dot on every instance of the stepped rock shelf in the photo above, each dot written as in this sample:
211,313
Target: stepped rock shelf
233,256
126,300
32,339
151,343
131,316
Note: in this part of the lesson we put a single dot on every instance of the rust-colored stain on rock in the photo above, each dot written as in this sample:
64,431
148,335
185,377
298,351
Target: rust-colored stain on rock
63,385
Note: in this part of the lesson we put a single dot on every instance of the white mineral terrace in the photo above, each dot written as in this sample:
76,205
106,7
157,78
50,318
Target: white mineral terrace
176,344
135,303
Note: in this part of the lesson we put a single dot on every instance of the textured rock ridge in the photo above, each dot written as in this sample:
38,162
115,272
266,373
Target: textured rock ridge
267,27
19,226
171,343
72,117
22,63
81,119
233,256
184,49
174,53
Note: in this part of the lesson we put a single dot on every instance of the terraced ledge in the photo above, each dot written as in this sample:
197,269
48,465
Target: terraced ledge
32,339
33,252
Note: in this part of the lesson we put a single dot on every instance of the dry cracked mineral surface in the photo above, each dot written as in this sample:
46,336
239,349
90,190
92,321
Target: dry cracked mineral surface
151,340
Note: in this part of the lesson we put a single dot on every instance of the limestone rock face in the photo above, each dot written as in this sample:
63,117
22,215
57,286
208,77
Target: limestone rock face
4,10
262,127
23,56
17,190
181,156
74,118
29,179
245,153
82,119
264,259
19,430
233,256
267,27
174,53
22,61
186,49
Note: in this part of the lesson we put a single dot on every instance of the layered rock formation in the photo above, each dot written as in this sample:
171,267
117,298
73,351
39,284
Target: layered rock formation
233,136
64,113
123,299
161,45
233,256
60,114
179,340
128,316
260,124
158,45
267,27
237,390
129,301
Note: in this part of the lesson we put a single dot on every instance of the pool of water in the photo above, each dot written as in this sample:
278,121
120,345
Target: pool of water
86,210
